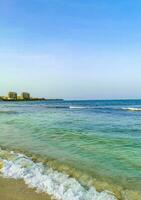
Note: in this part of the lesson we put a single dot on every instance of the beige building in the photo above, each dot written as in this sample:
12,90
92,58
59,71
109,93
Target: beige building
25,95
12,95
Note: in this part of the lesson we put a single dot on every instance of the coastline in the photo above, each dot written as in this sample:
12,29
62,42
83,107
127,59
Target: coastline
15,187
28,100
45,180
11,189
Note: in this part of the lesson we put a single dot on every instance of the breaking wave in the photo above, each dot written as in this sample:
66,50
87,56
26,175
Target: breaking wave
131,109
36,175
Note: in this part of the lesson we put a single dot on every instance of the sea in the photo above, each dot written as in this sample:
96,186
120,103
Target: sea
73,150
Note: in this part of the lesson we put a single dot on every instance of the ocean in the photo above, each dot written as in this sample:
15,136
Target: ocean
73,150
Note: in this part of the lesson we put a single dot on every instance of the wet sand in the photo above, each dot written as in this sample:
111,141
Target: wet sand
11,189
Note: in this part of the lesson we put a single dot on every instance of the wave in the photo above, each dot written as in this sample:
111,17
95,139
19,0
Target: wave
7,112
131,109
88,107
59,185
61,107
71,107
80,107
38,106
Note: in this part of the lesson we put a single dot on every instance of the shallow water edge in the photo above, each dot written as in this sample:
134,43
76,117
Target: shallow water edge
44,176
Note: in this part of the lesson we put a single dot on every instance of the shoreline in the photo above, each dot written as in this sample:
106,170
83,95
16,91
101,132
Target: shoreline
19,185
11,189
17,189
31,175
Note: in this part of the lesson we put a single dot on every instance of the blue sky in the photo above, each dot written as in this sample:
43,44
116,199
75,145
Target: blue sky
73,49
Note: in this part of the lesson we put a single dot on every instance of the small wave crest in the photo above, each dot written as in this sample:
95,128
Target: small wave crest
59,107
131,109
7,112
59,185
79,107
88,107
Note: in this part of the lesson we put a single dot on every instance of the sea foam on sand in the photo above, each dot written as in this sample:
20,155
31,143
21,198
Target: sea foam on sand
59,185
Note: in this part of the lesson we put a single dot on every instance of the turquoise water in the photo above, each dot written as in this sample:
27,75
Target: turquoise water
94,141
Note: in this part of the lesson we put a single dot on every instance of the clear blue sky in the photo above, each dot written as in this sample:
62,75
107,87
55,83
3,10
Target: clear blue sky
77,49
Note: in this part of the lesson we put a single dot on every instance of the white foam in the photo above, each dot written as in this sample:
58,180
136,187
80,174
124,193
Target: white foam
44,179
132,109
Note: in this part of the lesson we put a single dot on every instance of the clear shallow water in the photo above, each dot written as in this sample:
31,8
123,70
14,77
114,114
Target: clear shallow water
97,142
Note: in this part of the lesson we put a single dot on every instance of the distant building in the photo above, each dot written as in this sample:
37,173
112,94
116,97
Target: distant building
18,97
12,95
25,96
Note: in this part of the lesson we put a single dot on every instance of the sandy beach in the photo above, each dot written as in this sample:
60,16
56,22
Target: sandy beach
11,189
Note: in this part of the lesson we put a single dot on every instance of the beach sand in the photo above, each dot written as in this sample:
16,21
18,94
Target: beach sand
11,189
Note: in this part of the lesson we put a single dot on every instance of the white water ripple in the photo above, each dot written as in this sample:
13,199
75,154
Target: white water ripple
132,109
56,184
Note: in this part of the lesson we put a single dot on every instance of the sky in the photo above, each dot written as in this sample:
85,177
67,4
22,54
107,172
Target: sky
71,49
